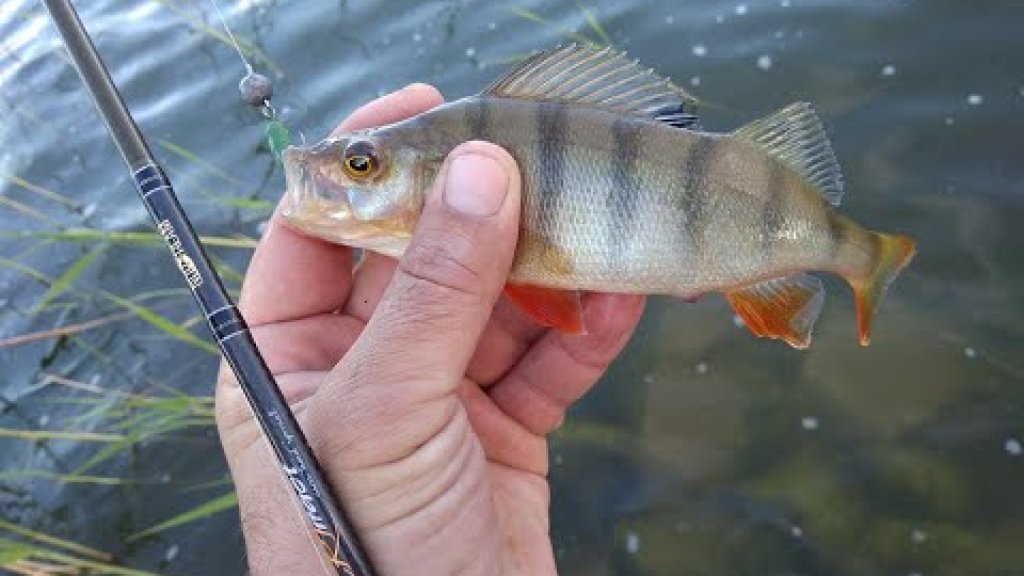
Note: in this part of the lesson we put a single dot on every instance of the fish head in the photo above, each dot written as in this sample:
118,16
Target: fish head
360,188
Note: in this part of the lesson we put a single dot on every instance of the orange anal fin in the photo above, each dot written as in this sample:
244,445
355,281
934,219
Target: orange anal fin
559,309
783,308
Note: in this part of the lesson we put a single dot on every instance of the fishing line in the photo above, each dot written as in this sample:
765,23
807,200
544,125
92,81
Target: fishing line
224,22
257,90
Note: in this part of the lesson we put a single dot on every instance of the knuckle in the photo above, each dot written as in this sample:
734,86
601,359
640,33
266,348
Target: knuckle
593,358
529,401
437,268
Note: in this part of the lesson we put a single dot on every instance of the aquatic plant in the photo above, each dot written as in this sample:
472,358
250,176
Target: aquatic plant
33,553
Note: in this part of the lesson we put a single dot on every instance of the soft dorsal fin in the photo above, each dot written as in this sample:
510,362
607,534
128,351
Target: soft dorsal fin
598,77
795,136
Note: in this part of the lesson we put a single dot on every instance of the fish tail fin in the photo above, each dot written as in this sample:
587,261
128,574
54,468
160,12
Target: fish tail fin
892,254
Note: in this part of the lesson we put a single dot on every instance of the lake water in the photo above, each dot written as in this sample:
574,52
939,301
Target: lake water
704,450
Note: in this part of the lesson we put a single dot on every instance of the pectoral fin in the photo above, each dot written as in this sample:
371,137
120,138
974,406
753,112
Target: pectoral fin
783,308
559,309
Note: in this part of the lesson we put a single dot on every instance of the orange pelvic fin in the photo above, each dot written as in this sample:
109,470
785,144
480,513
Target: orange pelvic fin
783,308
894,253
559,309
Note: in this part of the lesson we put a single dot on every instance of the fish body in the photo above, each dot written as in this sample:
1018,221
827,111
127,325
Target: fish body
621,193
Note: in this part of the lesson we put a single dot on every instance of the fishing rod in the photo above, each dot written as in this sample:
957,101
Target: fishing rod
297,461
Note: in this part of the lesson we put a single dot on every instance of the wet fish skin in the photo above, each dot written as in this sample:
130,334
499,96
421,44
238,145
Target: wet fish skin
622,201
633,204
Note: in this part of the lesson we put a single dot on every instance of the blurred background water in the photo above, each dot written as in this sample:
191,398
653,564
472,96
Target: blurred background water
703,451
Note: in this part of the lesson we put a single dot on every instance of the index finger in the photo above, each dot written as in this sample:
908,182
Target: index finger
292,275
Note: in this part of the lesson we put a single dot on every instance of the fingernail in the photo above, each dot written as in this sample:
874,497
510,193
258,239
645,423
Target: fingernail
475,185
415,86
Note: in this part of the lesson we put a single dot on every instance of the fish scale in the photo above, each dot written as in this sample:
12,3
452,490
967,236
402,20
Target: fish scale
621,193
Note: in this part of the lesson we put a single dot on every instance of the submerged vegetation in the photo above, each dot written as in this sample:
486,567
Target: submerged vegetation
24,551
104,427
87,433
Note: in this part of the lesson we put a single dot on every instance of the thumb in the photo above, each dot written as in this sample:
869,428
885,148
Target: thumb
422,335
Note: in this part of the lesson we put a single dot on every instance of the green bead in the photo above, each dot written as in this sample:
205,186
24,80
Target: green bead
277,138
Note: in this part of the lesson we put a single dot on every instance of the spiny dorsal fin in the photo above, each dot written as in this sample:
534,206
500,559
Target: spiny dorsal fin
598,77
795,136
784,308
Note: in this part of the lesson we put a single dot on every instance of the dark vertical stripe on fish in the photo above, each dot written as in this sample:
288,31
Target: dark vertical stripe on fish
773,210
695,202
552,125
478,117
621,199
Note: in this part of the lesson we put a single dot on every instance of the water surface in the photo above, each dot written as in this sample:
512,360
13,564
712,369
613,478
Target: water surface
703,451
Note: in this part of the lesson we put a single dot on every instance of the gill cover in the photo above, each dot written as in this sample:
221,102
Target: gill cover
378,178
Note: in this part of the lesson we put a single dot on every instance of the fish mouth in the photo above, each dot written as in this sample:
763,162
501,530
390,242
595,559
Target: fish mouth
297,182
310,193
318,206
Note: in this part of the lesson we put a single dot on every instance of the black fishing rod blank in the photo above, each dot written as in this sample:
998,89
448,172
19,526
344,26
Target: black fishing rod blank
226,323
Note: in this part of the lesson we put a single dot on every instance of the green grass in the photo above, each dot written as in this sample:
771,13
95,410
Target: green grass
228,501
64,331
64,282
41,191
26,210
73,320
93,235
588,17
110,422
166,326
30,552
23,475
131,419
249,48
594,24
185,153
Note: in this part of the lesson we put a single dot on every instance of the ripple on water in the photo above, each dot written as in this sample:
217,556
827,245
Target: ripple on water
1013,447
632,542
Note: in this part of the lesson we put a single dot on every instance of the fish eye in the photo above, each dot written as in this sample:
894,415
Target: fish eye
359,164
360,159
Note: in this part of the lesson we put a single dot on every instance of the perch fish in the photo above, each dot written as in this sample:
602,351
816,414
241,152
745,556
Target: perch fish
622,192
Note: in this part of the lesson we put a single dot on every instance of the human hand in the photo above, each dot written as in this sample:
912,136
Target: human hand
426,404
